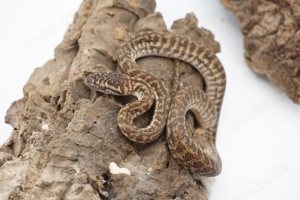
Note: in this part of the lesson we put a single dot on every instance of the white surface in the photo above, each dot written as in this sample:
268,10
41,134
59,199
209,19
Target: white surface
259,128
115,169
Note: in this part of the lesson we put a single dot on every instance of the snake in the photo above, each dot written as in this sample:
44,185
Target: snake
201,159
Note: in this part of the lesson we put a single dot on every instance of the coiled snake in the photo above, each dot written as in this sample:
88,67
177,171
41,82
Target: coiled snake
200,159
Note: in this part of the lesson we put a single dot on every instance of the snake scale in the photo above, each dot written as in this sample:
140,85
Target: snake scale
199,159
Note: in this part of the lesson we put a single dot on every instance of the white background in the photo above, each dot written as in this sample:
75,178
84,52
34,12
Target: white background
259,128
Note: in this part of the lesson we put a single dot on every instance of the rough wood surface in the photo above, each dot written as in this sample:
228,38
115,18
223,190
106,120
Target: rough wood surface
272,37
65,136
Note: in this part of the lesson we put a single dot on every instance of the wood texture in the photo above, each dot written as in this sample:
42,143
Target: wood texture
272,38
65,136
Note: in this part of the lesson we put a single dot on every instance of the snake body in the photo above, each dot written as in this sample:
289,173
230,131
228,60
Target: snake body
202,160
205,105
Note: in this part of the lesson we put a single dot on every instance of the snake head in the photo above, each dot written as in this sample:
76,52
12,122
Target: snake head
107,82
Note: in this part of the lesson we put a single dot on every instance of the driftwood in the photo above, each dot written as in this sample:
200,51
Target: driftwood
65,135
272,36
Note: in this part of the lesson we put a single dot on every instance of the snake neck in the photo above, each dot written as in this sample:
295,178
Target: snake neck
142,90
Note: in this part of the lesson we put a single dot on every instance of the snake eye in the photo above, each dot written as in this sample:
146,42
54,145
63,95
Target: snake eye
102,86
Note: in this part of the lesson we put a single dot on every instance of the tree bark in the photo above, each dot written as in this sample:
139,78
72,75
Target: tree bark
272,37
65,136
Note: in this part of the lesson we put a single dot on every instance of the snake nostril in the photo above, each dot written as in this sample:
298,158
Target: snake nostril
88,80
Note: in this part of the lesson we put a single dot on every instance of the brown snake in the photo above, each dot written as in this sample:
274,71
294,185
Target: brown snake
202,160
